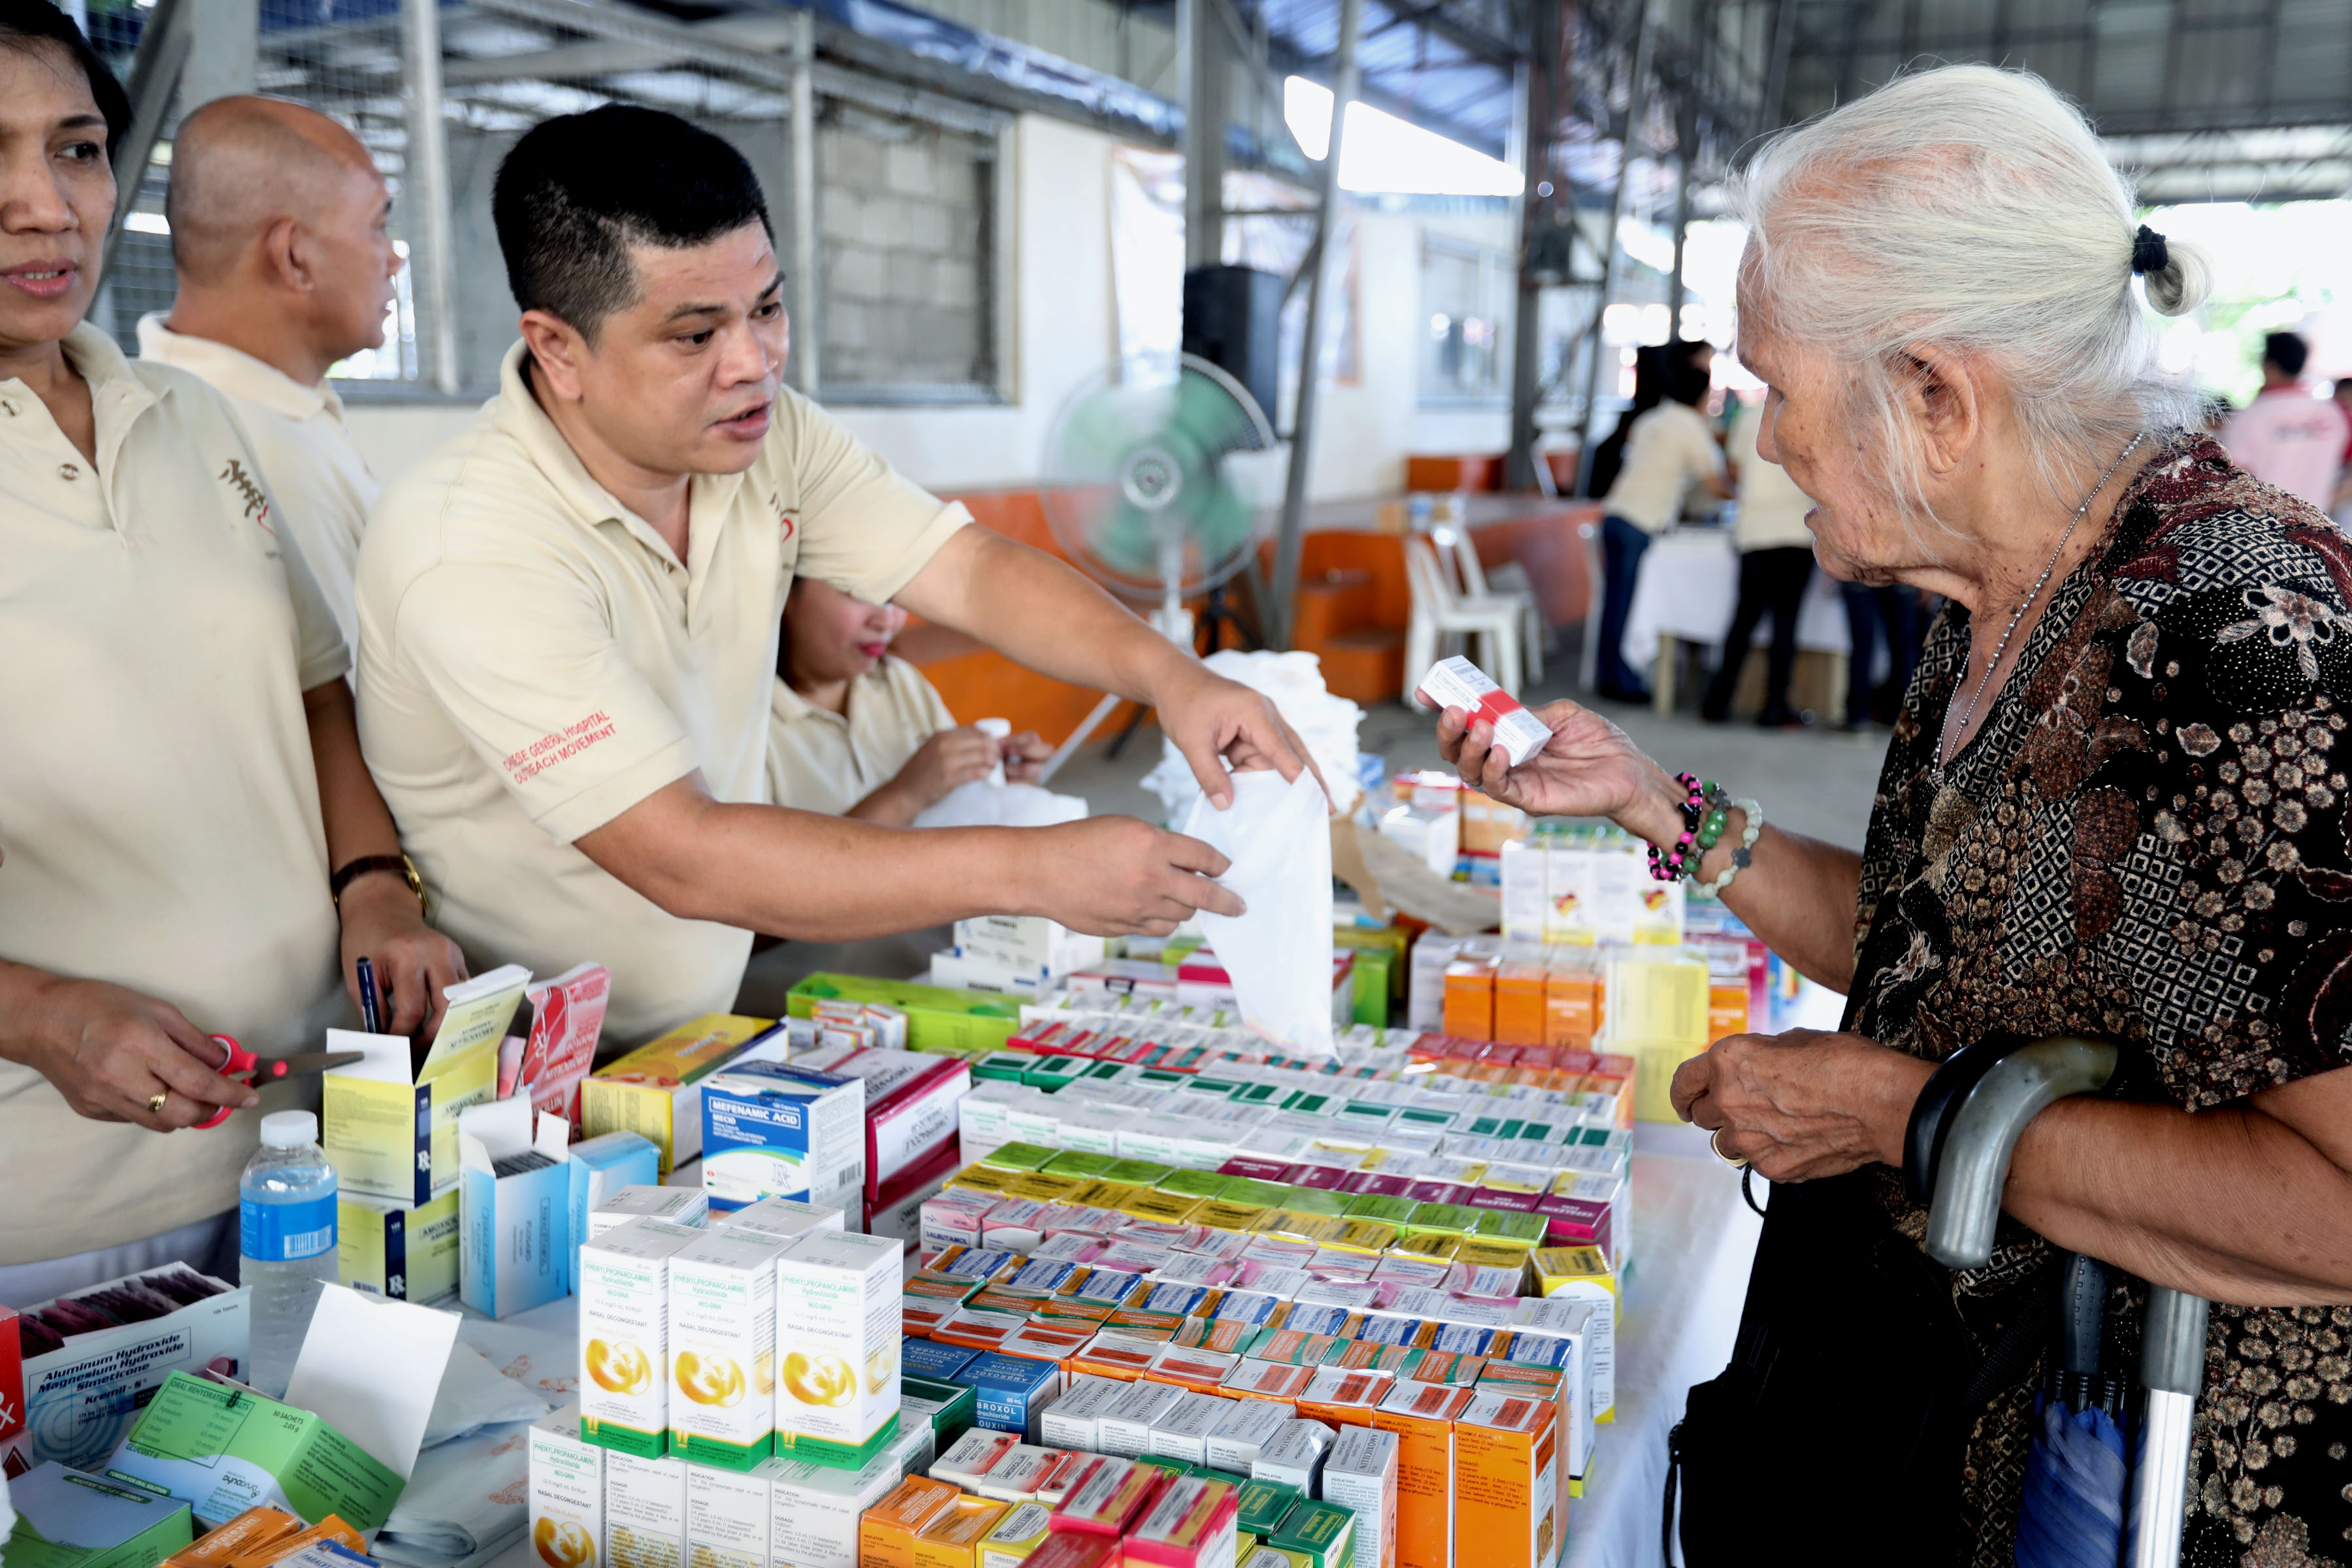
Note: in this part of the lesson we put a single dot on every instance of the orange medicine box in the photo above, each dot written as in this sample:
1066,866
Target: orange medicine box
250,1531
1470,999
1506,1479
886,1535
952,1538
1345,1395
1190,1525
327,1529
1521,988
1422,1415
1572,1006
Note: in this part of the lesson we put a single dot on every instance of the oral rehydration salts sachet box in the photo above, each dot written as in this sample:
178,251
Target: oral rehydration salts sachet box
1456,682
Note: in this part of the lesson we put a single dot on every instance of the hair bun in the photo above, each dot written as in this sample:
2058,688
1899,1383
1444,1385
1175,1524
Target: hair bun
2182,279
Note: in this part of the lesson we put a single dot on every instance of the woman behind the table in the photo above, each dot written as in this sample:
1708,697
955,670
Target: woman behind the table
2115,804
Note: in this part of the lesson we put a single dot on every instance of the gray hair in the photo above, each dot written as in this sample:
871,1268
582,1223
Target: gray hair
1970,209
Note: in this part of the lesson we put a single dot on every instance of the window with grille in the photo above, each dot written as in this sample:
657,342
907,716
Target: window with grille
1465,306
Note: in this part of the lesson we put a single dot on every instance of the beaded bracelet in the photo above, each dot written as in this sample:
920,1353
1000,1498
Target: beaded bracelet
1668,866
1743,855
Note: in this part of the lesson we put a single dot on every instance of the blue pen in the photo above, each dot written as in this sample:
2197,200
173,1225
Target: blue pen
371,1017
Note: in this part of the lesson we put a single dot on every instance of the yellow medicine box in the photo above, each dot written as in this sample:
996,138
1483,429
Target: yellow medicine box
657,1089
391,1129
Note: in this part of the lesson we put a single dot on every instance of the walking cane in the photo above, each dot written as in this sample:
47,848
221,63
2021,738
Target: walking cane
1963,1133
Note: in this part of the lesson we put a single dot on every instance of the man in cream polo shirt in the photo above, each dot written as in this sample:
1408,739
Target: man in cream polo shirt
285,267
569,616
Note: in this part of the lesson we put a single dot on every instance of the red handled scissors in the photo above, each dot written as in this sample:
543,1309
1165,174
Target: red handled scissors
254,1071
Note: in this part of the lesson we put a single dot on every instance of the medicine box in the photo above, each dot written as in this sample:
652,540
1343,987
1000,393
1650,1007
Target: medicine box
1243,1431
785,1219
770,1130
1505,1489
68,1520
728,1516
1074,1420
624,1335
1295,1454
514,1194
813,1509
80,1401
910,1114
885,1534
1015,1536
951,1540
1014,1391
567,1492
837,1351
722,1348
1125,1425
1361,1473
1189,1525
602,1168
645,1511
1318,1534
1107,1496
389,1127
406,1252
655,1090
679,1206
221,1449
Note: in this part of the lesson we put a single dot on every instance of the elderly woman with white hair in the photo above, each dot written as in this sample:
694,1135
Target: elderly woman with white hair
2115,805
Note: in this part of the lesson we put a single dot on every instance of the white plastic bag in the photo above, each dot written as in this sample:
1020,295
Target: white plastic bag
981,803
1278,838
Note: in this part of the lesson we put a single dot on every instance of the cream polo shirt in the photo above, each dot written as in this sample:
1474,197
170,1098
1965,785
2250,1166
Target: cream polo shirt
321,483
819,761
534,661
158,805
1669,449
1771,508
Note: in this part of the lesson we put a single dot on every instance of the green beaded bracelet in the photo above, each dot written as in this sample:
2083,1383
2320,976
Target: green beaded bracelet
1711,827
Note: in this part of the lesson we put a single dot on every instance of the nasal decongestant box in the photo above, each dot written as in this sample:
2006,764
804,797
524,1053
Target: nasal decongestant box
837,1368
644,1511
814,1510
624,1335
728,1517
722,1348
567,1492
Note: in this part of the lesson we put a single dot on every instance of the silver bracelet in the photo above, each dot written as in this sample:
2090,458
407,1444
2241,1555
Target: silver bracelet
1741,856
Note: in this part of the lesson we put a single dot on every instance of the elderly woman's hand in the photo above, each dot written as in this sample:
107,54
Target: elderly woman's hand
1589,768
1804,1104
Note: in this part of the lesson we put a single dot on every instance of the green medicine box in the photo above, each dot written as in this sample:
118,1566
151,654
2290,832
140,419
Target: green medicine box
1194,1184
68,1520
1051,1073
1508,1225
1253,1194
1019,1157
1079,1163
1387,1208
1001,1067
1323,1533
222,1449
1265,1505
1316,1200
1310,1103
952,1408
1139,1173
938,1018
1441,1219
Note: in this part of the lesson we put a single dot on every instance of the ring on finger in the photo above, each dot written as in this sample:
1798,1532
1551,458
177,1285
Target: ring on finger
1715,1143
155,1102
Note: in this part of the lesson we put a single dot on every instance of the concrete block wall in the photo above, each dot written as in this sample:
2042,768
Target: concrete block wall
904,249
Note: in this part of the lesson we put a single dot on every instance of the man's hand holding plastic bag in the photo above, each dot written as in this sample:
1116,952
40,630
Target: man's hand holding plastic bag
1278,834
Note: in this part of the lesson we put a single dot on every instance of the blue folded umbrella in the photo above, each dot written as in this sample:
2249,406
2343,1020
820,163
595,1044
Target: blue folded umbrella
2076,1479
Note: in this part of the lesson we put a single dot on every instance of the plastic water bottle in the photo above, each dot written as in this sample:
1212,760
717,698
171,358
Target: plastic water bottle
286,1230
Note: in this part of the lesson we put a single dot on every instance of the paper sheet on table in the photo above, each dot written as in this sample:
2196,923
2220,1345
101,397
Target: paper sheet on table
475,1393
1278,838
546,1362
370,1368
465,1496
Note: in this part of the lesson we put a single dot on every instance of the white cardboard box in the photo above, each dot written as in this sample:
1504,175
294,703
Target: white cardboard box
567,1492
1361,1473
644,1511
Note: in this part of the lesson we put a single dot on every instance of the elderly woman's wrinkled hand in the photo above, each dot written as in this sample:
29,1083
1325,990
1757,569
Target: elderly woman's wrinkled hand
1587,768
1802,1105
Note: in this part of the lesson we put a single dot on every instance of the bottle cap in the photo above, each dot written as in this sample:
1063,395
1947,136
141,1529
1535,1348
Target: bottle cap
999,728
288,1128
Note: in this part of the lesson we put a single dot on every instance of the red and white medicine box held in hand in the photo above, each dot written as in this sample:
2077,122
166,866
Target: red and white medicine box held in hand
1457,683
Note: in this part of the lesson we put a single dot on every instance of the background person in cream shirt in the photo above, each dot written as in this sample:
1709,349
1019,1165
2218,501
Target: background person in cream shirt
569,617
285,267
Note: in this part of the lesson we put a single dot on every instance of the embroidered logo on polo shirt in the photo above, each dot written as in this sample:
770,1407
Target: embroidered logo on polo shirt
249,491
784,515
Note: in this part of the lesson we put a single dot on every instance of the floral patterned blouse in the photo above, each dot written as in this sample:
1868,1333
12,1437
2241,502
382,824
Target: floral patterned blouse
2147,842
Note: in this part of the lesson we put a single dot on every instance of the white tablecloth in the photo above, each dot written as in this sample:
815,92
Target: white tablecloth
1689,585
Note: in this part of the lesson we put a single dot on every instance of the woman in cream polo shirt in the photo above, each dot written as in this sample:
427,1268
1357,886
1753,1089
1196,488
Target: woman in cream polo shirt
855,732
183,811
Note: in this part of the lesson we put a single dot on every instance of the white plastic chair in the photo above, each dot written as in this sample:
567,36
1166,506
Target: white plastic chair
1508,586
1438,610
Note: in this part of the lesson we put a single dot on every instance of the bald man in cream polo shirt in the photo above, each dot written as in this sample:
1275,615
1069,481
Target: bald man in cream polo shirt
285,267
569,617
